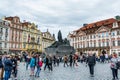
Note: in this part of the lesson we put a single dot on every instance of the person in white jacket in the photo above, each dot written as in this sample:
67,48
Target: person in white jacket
113,66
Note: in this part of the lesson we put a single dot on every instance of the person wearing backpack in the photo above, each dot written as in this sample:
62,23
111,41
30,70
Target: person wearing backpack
113,66
32,65
91,61
39,65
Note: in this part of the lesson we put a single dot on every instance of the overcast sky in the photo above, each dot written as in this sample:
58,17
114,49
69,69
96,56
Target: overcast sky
64,15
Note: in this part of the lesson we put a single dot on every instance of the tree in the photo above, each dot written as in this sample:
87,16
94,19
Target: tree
60,36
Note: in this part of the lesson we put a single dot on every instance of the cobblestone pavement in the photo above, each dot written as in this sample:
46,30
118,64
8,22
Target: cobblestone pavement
81,72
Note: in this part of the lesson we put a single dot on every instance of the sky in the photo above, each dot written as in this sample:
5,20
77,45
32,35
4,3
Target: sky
64,15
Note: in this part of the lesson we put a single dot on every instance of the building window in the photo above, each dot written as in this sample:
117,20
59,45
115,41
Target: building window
87,37
107,43
87,44
0,37
5,45
113,42
107,34
11,45
1,30
118,42
103,44
94,36
5,38
99,44
6,30
99,35
94,44
102,35
84,38
118,32
0,45
90,36
18,45
113,34
90,44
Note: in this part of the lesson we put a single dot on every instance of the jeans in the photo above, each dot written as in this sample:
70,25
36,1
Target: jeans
114,73
15,71
7,75
27,64
91,67
38,71
46,65
65,63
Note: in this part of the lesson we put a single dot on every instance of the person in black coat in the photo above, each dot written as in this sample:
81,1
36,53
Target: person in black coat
8,66
91,61
71,60
14,62
46,61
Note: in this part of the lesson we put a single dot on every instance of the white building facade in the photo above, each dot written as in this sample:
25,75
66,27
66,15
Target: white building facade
4,38
97,37
47,40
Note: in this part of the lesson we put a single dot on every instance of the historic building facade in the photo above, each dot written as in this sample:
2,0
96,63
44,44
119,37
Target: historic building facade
4,38
15,34
18,37
47,40
32,38
97,37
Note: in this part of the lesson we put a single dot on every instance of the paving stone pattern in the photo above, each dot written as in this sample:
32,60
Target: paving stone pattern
81,72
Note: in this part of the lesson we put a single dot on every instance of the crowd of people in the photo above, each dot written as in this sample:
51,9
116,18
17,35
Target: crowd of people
9,63
8,66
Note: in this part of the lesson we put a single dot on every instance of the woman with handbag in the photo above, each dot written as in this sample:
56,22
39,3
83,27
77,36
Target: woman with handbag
113,66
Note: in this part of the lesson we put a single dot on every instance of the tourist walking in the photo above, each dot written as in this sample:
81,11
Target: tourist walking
39,65
8,66
27,61
91,61
14,62
75,57
58,60
106,58
32,65
54,60
71,60
46,62
50,64
113,66
65,60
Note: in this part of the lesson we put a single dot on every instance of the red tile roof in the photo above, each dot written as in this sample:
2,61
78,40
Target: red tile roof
26,23
98,24
9,18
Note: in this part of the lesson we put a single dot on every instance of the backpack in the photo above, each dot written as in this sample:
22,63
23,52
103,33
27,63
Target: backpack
40,63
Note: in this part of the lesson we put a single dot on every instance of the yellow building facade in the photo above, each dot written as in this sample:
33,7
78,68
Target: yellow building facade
32,38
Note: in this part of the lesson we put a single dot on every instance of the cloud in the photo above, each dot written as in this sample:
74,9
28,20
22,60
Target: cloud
66,15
